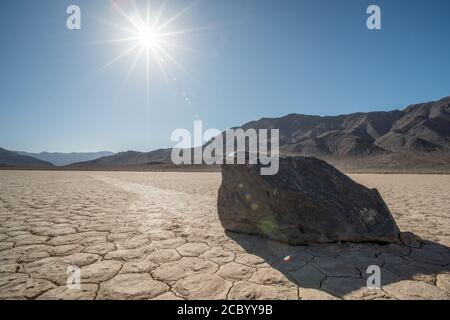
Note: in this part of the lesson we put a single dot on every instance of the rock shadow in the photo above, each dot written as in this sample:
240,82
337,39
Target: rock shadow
341,269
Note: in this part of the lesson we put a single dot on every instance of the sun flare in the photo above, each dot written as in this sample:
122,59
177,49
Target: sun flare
149,37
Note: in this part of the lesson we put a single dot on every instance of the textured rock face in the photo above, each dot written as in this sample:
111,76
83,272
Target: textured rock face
307,201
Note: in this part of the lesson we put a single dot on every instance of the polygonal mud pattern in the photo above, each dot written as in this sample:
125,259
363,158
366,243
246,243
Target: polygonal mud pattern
157,236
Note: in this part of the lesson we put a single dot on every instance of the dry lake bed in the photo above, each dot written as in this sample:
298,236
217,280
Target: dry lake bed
157,236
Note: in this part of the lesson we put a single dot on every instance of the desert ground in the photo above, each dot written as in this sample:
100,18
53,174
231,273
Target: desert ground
157,236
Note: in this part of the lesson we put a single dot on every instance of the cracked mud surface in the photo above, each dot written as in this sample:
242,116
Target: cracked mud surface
157,236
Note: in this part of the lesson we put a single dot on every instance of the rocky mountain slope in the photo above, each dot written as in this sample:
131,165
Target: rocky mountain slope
418,128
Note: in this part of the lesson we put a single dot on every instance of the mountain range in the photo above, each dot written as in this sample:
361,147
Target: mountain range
12,159
418,128
373,140
64,159
417,136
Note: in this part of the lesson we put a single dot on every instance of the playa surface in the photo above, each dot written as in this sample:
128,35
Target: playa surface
157,236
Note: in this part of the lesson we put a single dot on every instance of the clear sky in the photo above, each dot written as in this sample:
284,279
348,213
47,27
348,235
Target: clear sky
235,61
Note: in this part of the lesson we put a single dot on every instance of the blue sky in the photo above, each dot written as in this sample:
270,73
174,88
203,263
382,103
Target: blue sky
249,59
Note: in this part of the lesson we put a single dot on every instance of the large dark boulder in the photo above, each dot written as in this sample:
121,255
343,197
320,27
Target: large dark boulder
307,201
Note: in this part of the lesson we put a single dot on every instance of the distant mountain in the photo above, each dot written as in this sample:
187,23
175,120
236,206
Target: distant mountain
382,137
12,159
128,158
64,159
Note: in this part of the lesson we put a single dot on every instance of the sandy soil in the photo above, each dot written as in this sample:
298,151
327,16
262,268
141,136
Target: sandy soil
157,236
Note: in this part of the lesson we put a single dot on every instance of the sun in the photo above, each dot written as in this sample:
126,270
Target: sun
149,37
